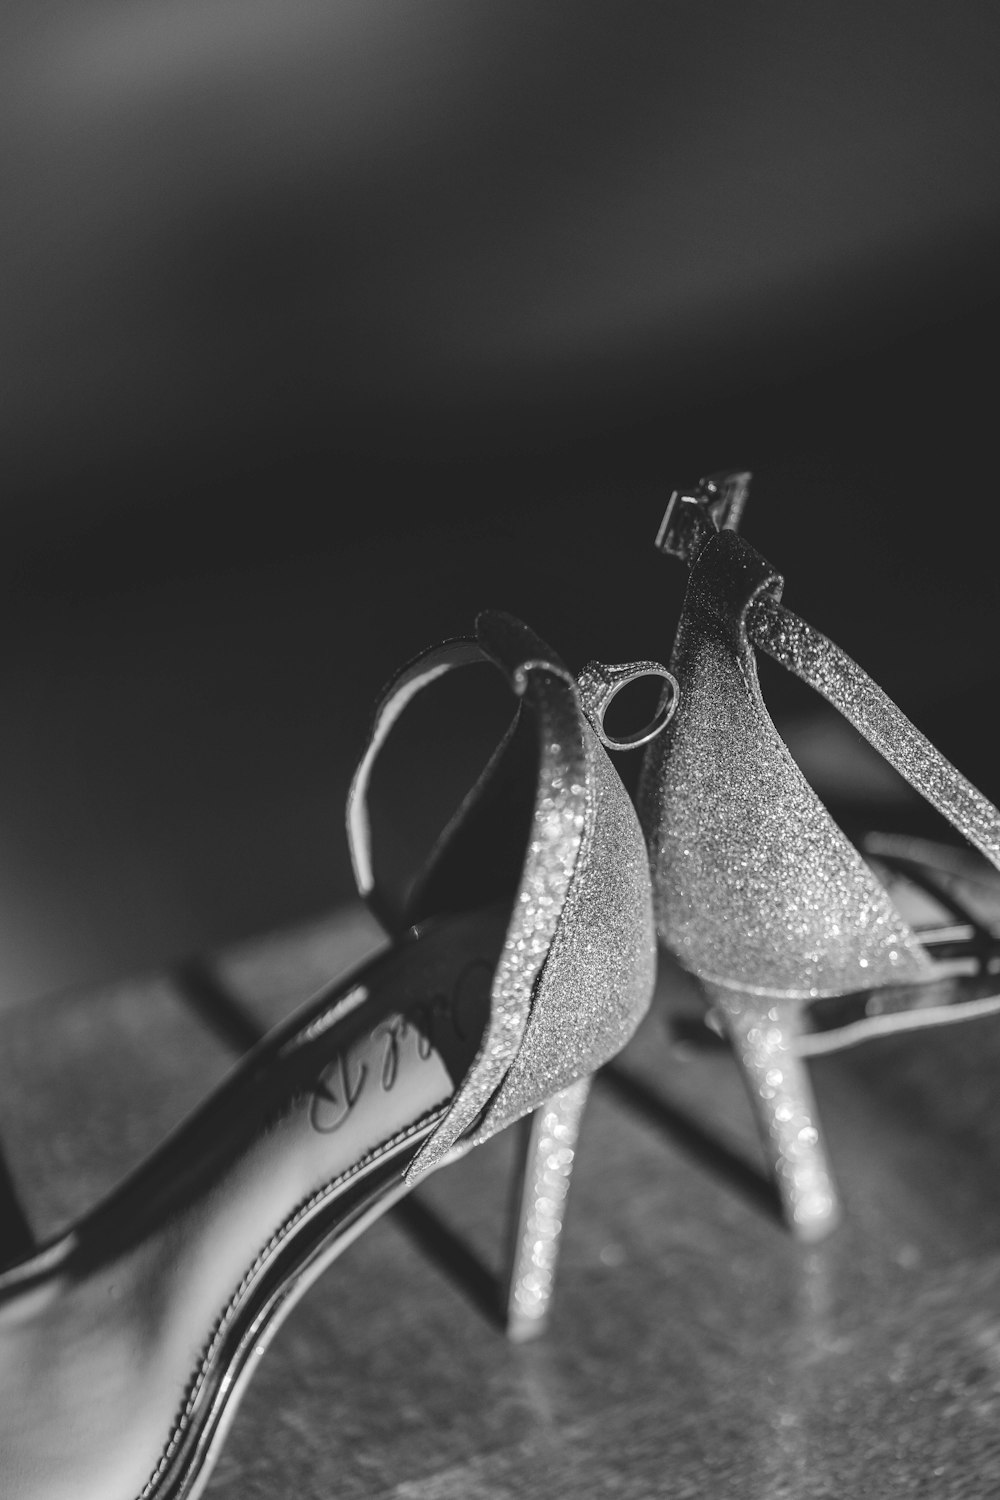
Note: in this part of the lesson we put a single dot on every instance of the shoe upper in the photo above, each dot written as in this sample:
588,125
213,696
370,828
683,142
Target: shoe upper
550,830
124,1341
754,885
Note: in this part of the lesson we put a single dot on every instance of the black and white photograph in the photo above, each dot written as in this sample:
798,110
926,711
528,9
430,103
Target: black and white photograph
499,829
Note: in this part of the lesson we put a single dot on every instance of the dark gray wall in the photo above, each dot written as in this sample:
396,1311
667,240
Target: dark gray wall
322,325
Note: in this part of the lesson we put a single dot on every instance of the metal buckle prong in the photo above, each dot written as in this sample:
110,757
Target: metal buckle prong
715,503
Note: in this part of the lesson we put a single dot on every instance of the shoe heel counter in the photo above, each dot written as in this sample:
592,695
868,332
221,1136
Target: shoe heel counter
597,981
753,883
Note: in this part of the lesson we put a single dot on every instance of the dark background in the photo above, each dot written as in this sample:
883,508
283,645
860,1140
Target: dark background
324,325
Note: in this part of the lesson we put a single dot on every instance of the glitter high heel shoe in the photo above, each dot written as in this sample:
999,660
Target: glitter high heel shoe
798,946
522,961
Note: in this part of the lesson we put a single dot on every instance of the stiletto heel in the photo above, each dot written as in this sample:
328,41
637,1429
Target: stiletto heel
763,1032
796,940
549,1151
521,958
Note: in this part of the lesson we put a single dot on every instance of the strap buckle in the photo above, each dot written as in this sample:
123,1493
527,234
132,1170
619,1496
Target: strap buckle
716,503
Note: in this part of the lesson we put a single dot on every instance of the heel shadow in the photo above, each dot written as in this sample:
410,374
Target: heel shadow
17,1238
205,993
198,984
690,1135
442,1245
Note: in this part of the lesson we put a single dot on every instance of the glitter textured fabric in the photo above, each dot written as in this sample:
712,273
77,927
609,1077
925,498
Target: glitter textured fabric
814,658
602,957
753,883
554,1130
755,888
576,972
763,1036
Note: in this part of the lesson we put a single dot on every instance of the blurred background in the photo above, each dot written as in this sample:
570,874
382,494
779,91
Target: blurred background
323,325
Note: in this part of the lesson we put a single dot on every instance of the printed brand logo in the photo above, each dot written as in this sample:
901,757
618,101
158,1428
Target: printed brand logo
435,1025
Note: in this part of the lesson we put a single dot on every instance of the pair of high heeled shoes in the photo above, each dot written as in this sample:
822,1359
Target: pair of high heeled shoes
522,958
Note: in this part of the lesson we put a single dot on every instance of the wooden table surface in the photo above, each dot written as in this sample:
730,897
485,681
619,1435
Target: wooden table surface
695,1350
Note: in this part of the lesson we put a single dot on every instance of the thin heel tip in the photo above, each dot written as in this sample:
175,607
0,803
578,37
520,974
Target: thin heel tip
520,1328
810,1229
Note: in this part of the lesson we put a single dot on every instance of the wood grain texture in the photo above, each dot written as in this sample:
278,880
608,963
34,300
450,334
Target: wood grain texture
695,1349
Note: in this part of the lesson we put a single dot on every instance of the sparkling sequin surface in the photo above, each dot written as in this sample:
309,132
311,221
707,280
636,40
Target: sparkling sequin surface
754,885
814,658
755,888
577,968
763,1032
598,977
557,835
554,1130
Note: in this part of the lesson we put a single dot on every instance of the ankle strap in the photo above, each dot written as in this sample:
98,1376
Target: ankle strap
501,641
824,667
408,682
